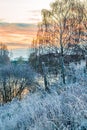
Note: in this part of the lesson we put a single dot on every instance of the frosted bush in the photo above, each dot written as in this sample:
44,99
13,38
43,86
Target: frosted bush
47,111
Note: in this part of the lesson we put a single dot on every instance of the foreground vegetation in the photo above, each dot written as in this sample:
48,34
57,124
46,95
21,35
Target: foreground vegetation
43,111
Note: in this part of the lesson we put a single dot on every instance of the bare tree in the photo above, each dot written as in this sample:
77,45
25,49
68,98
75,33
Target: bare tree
14,79
61,25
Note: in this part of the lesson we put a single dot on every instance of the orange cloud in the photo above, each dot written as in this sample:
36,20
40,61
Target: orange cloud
17,35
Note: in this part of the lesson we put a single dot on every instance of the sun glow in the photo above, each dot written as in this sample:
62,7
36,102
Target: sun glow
12,13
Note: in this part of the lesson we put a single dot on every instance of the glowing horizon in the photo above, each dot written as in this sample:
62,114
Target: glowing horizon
16,36
20,11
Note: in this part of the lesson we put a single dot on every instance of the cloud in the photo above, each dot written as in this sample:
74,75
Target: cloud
34,16
1,19
17,44
34,11
17,35
35,19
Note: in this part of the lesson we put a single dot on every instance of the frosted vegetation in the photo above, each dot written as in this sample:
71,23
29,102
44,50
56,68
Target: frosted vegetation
14,79
49,90
63,108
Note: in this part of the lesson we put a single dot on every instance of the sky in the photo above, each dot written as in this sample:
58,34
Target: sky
12,12
22,11
18,37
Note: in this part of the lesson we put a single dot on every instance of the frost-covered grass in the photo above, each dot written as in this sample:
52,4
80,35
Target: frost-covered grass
63,108
48,111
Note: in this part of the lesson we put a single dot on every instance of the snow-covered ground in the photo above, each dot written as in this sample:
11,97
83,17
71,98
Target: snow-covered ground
64,108
48,111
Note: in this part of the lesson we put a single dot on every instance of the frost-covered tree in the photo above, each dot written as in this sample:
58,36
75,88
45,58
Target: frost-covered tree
14,79
4,54
61,24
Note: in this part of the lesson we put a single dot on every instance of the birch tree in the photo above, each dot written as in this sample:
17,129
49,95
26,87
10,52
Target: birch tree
62,25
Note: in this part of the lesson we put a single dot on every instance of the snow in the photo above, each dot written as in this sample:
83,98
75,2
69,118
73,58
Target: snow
64,108
44,111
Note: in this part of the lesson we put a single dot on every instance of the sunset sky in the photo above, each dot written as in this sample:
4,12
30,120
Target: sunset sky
13,12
